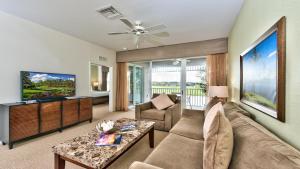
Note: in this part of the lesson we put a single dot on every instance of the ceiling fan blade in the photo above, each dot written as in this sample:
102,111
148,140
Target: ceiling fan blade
162,34
127,22
118,33
155,28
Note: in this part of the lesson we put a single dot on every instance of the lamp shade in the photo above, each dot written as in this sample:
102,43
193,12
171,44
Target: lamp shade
218,91
96,83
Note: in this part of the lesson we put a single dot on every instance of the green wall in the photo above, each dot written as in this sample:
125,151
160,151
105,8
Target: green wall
256,17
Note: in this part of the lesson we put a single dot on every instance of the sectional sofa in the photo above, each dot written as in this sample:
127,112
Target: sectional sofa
254,146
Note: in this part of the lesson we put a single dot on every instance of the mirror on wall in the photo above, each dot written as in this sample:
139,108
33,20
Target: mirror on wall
100,78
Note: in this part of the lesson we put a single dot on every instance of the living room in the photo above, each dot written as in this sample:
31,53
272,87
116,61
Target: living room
149,84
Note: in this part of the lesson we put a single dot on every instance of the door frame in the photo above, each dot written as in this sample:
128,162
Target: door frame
111,82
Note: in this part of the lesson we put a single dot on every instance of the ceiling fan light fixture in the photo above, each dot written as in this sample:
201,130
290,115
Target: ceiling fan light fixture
138,22
141,33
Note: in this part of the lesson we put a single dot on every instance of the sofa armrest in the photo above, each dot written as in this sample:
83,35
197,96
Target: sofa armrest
140,165
172,116
141,107
188,113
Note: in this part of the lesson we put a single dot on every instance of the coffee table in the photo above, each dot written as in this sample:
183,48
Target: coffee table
83,152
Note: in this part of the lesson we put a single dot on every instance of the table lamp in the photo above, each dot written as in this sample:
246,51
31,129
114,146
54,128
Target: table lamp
220,92
96,85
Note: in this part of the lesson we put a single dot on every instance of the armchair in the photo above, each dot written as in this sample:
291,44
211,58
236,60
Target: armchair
164,119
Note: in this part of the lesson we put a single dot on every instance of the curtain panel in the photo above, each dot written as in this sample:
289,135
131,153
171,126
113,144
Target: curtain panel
122,87
217,69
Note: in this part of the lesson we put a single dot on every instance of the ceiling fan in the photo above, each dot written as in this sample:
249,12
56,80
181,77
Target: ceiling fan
142,33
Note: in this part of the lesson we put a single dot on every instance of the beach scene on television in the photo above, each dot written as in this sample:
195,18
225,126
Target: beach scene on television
260,74
47,85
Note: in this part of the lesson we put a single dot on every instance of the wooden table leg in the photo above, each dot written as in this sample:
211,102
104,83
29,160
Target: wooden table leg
59,163
151,137
10,146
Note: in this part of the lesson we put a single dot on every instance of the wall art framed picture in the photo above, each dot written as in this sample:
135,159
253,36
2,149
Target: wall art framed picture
263,72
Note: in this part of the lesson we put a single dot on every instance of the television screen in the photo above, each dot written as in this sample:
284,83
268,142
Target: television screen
38,85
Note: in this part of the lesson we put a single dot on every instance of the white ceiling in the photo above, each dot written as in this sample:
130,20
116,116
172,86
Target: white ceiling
186,20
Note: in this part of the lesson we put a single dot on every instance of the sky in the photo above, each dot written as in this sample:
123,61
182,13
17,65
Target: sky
266,64
37,77
191,76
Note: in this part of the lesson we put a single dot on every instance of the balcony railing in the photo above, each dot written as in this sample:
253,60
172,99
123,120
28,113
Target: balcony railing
161,90
195,98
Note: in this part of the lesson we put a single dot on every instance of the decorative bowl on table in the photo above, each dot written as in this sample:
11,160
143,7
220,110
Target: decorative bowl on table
106,126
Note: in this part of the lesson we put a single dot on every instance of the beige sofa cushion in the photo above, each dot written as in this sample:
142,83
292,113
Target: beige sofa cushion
177,152
210,104
153,114
232,110
218,139
140,165
188,127
193,114
162,101
256,147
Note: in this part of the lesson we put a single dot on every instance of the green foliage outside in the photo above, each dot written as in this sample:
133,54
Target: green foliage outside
259,100
196,90
50,92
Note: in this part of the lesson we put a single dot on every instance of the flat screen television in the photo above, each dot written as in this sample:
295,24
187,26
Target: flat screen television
44,86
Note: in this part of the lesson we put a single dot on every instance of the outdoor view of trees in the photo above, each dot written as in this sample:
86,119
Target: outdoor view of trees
166,77
193,89
169,81
42,85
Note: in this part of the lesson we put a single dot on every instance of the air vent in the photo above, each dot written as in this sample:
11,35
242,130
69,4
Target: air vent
110,12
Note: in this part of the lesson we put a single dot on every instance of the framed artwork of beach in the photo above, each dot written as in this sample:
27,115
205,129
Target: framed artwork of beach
263,72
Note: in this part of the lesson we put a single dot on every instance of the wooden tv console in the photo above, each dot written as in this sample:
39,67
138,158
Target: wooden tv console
20,121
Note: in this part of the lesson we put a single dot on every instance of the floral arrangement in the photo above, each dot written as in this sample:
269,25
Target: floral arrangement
105,126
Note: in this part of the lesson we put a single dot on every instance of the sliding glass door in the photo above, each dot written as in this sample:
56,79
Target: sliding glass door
195,83
136,84
166,77
139,82
183,77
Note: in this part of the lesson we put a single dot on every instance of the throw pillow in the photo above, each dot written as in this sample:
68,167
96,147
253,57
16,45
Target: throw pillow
213,101
218,139
162,101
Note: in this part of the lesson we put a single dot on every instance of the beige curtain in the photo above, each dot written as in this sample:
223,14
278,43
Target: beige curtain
122,87
217,69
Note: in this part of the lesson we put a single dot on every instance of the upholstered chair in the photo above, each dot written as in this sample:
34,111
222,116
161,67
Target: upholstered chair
164,119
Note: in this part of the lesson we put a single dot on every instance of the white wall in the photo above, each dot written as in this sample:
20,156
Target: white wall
28,46
255,18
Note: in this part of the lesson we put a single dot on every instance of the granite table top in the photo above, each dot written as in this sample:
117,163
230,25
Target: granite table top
82,149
